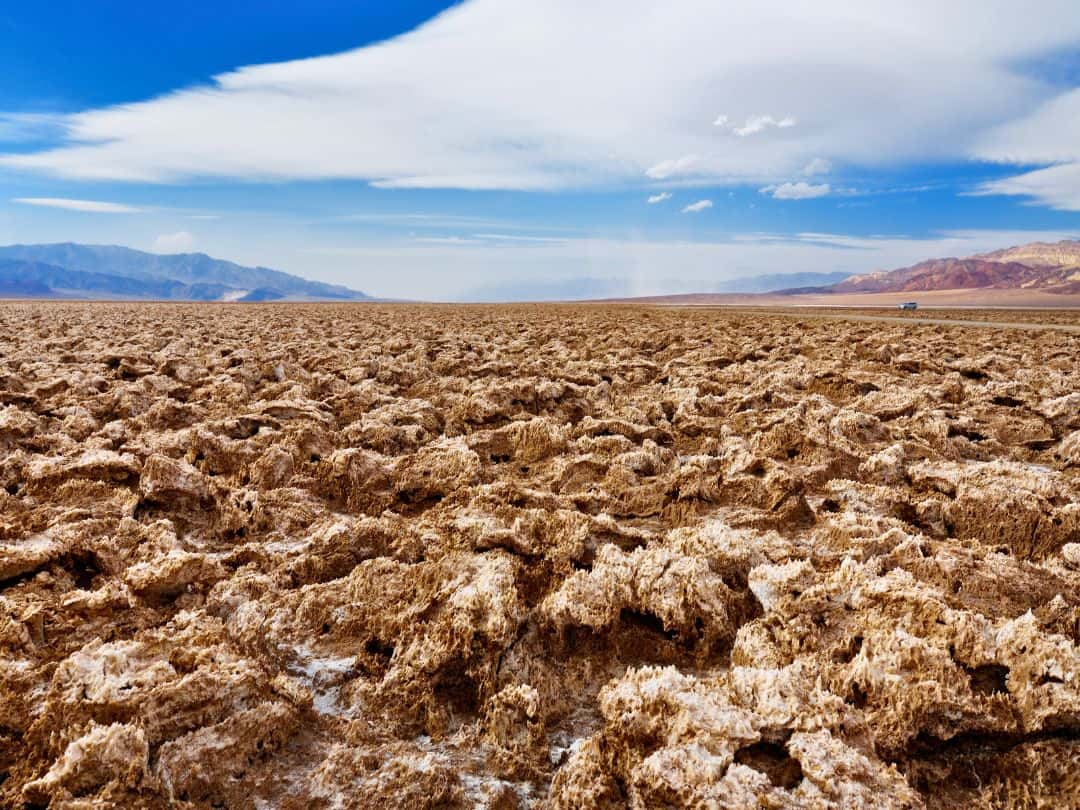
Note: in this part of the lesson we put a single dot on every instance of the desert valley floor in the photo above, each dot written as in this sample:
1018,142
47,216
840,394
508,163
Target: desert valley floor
374,556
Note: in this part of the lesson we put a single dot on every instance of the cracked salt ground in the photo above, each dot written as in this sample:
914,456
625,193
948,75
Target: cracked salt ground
541,557
485,792
559,753
323,677
286,546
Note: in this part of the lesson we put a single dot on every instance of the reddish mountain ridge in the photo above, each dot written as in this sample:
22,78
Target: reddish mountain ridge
1053,268
1065,254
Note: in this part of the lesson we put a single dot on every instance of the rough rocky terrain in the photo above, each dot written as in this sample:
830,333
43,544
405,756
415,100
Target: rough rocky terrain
554,557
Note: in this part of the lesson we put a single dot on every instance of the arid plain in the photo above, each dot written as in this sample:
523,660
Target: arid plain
374,556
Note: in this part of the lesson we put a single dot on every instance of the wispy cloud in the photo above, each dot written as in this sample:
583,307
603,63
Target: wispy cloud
699,206
796,191
817,166
433,109
446,240
835,241
1049,135
1055,186
754,124
87,206
508,237
658,198
179,242
488,238
18,127
422,220
675,167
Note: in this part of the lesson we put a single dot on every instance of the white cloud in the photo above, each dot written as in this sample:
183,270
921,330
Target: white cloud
796,191
424,220
488,238
513,237
687,164
474,100
754,124
87,206
817,166
446,240
658,198
1055,186
697,207
1049,135
179,242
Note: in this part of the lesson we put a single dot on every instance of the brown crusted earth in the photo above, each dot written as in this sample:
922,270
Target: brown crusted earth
371,556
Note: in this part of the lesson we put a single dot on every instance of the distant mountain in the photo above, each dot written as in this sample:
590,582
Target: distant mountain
20,279
950,274
585,288
1063,255
1052,268
37,279
72,270
777,281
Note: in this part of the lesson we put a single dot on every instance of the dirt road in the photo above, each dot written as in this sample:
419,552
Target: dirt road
843,316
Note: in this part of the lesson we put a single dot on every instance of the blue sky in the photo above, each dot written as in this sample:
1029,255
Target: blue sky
510,147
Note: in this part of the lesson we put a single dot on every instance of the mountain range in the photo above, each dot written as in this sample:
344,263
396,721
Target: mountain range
69,270
583,288
1042,266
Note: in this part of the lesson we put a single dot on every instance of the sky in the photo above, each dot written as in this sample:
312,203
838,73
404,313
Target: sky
553,148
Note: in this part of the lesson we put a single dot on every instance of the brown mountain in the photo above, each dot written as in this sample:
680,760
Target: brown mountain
1053,268
1064,254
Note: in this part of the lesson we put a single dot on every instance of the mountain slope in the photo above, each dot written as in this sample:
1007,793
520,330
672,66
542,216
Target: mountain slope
948,274
1065,254
19,279
193,276
777,281
36,279
1038,266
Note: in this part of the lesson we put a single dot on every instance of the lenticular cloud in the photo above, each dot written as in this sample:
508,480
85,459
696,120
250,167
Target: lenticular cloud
436,107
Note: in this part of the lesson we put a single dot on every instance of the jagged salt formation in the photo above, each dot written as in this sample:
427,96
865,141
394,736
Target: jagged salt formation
316,557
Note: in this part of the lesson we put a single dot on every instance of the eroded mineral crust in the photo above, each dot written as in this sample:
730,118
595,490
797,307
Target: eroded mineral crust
535,557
